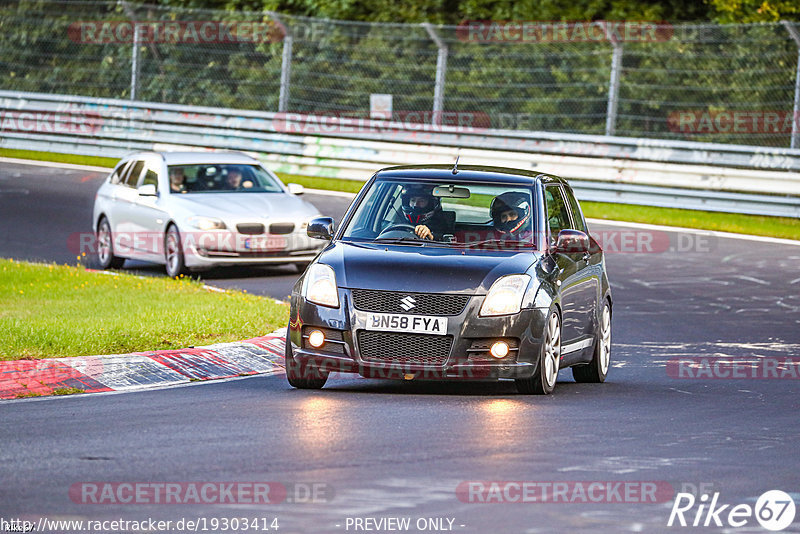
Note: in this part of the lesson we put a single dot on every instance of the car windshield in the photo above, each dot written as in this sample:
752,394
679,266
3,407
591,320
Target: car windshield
468,215
222,178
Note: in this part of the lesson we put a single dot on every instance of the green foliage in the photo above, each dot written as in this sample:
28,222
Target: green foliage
732,11
555,85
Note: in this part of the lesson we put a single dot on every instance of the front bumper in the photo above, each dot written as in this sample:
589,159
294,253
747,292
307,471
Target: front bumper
465,328
226,247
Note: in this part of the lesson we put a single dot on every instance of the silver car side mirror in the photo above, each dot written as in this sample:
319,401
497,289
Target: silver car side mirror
296,189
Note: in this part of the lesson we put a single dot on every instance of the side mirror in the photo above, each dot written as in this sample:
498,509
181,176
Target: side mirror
321,228
296,189
572,242
148,190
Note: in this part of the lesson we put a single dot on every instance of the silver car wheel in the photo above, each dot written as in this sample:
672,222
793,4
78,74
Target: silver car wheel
552,350
605,339
104,242
173,258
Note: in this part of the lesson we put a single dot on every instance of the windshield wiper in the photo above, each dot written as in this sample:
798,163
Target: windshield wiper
507,243
400,241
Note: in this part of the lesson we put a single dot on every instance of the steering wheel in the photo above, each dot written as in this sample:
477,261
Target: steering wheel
405,228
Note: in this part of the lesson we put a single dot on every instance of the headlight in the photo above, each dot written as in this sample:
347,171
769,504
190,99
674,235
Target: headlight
505,295
206,223
319,286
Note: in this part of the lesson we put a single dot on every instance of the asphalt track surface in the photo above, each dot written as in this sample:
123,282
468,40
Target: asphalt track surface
401,449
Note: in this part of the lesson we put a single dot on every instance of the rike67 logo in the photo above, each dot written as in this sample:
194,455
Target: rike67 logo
774,510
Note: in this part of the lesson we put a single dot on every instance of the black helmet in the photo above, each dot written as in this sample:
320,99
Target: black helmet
511,201
417,214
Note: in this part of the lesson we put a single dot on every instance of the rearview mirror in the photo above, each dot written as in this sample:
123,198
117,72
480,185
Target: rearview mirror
572,242
321,228
450,191
296,189
148,190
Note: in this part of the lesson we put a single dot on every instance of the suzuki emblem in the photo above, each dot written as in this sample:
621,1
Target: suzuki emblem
407,303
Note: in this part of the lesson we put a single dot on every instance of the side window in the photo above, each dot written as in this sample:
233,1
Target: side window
150,177
119,175
133,178
557,214
393,210
577,214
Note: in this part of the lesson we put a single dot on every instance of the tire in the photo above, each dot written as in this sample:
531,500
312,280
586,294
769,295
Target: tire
597,370
105,247
544,380
302,376
173,253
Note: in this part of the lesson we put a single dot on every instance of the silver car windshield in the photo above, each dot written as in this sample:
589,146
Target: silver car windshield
456,214
221,178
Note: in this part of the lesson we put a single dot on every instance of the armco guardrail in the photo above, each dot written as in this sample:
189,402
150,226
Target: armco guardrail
659,173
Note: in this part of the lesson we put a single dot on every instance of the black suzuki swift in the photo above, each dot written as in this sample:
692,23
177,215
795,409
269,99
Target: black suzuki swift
448,273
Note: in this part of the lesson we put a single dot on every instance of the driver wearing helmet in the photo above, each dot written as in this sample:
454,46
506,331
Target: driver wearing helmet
424,211
511,214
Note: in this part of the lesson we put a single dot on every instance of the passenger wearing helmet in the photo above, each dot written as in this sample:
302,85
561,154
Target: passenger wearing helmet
511,214
424,211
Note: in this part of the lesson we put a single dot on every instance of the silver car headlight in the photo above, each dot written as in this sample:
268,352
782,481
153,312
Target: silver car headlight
505,295
319,286
206,223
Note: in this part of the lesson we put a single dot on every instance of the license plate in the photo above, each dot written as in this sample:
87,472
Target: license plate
414,324
265,243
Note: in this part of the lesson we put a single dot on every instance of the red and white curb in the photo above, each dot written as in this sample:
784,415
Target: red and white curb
139,370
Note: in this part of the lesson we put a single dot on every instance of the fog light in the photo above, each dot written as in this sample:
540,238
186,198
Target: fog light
316,339
499,349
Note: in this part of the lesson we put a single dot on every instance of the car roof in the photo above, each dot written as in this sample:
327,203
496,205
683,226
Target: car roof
199,157
469,173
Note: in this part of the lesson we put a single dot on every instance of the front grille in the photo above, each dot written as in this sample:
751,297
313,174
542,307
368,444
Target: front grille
424,303
281,228
250,228
390,347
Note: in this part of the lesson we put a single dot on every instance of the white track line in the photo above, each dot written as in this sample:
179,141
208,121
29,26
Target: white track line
53,165
327,193
727,235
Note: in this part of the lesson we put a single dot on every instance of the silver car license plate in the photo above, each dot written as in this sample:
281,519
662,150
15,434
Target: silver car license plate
265,243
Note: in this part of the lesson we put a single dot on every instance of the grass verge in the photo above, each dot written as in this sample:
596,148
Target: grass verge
76,159
329,184
49,311
783,227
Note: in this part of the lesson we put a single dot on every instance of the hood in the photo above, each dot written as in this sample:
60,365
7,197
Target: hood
422,269
240,206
